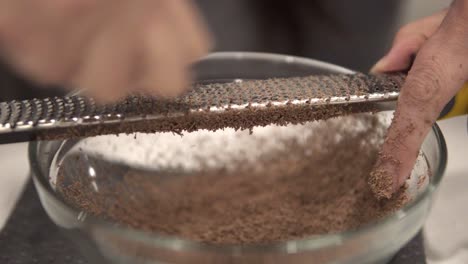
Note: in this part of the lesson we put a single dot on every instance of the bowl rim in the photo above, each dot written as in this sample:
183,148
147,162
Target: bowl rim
91,223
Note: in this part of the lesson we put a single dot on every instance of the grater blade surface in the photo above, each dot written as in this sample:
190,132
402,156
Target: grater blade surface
240,104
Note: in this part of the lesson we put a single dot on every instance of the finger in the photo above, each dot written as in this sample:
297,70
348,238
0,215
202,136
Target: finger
189,28
165,72
438,72
47,46
165,68
399,58
76,23
407,43
106,73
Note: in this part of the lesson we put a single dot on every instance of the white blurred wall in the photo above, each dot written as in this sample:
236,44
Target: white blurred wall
414,9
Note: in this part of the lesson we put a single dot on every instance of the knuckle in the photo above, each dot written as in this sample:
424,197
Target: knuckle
425,82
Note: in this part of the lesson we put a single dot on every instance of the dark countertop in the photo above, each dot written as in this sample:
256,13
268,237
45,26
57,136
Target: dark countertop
31,237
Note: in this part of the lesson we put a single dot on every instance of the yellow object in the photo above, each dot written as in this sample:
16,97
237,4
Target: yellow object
460,104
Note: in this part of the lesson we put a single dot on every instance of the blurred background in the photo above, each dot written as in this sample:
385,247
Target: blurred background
352,34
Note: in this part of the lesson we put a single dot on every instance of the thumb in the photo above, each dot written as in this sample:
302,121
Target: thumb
400,56
408,41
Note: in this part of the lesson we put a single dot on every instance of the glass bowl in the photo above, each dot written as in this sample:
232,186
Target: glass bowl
106,242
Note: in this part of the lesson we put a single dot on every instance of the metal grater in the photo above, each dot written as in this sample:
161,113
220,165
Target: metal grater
238,104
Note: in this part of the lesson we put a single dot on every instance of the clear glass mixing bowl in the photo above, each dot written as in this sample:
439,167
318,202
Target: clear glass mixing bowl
105,242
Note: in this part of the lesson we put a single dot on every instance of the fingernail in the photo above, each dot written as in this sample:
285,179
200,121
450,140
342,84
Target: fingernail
379,66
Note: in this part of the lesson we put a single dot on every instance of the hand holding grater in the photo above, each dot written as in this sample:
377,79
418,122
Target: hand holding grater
239,104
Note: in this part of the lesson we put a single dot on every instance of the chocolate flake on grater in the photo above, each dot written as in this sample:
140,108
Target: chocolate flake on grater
238,104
